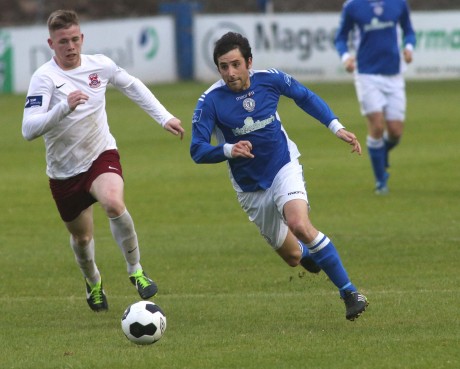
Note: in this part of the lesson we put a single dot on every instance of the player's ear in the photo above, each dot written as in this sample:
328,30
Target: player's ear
249,63
50,43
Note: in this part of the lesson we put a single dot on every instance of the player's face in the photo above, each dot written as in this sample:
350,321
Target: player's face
234,70
66,44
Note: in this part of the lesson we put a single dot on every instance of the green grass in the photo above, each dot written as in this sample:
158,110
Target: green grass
231,303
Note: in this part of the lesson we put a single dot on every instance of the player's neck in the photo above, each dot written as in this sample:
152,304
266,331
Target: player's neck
67,66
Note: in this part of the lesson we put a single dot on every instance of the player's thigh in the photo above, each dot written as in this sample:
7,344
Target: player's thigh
108,189
263,212
288,185
298,221
81,228
290,195
395,109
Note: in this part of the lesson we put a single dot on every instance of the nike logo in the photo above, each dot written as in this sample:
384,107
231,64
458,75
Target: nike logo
130,251
60,85
113,168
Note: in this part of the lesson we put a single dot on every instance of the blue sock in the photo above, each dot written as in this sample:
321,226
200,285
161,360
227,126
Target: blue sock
323,252
304,249
377,153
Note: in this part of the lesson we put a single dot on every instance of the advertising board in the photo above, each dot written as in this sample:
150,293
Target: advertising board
303,44
145,47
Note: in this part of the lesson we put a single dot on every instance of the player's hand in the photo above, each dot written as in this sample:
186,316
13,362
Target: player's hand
407,55
351,139
349,64
174,126
242,149
76,98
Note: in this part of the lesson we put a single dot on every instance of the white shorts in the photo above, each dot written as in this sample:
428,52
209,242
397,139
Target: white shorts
378,93
265,208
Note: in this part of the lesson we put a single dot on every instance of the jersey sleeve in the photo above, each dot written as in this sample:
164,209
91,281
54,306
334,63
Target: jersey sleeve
346,25
37,119
406,25
306,99
203,126
139,93
145,99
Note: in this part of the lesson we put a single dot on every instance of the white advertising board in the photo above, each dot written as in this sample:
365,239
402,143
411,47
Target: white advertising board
145,47
438,45
299,44
303,44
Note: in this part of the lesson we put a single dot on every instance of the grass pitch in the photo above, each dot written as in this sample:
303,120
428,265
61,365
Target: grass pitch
230,302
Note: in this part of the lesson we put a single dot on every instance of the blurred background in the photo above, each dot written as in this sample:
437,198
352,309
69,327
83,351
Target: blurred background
176,37
23,12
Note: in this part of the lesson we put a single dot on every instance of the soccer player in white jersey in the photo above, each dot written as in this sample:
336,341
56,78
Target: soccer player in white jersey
241,110
66,105
375,28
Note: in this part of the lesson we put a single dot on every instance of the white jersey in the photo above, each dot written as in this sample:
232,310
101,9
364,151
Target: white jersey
73,140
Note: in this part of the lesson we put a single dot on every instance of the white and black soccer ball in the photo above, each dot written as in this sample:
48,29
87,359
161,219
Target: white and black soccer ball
143,323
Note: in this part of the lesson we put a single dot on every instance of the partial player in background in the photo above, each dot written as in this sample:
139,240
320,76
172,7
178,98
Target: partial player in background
66,105
241,110
374,27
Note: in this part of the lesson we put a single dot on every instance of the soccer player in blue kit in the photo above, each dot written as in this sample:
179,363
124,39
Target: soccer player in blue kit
241,110
378,67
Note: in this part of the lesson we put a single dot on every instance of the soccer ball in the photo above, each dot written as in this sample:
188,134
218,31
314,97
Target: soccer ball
143,323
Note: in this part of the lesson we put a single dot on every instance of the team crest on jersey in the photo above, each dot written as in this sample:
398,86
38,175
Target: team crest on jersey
249,104
378,10
94,80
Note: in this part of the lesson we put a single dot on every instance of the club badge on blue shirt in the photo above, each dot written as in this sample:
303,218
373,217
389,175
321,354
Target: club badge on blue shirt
249,104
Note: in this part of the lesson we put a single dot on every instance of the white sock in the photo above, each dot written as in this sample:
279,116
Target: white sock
125,235
85,258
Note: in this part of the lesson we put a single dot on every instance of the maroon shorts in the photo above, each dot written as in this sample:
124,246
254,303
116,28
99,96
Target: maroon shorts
72,194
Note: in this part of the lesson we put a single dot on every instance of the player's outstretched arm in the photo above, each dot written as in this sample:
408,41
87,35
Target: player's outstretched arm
174,126
350,138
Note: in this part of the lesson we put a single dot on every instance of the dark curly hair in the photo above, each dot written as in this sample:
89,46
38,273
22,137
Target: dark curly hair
231,41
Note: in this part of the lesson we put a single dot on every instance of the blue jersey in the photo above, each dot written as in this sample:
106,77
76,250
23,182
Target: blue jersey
377,41
251,115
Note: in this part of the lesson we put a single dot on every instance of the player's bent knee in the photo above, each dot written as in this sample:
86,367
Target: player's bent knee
114,208
292,258
299,229
292,262
82,240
